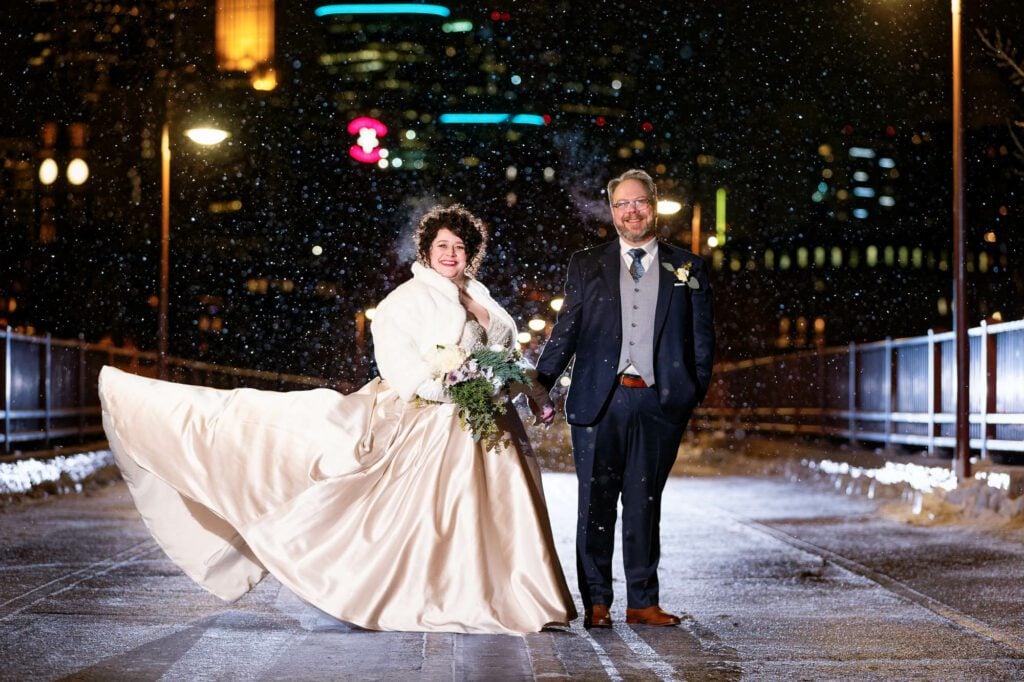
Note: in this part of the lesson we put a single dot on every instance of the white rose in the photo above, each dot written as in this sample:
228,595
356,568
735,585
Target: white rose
447,359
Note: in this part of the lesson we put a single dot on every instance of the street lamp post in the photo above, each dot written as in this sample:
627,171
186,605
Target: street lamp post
204,136
962,461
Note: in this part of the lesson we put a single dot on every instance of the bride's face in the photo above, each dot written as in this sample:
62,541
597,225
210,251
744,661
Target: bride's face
448,255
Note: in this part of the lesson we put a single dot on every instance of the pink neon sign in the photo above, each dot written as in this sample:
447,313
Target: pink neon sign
368,132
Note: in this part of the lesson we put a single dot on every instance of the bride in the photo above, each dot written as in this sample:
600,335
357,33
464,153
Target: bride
376,507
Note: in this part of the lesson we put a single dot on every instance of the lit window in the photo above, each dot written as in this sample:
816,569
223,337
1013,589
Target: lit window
862,153
802,256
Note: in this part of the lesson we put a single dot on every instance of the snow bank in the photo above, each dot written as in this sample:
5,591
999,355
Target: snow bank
55,475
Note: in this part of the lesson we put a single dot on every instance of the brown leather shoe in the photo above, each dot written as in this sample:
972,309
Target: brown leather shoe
652,615
597,616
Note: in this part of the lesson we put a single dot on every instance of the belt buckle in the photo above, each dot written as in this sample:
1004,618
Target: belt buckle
632,381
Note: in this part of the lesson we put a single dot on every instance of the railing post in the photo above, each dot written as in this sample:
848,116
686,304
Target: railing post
7,390
822,394
48,386
934,395
987,388
81,388
852,397
887,389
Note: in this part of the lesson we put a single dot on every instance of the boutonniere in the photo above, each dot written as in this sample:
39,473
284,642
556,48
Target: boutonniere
682,273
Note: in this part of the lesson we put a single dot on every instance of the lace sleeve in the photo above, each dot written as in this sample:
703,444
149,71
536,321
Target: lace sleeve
500,335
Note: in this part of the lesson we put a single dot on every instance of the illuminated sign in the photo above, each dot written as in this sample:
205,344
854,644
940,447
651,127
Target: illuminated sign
384,8
490,119
368,132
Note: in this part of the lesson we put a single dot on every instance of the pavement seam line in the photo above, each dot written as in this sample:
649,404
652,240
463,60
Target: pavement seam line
602,656
647,655
112,557
937,607
81,580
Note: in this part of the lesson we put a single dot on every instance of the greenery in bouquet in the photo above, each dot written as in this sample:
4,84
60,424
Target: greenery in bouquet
476,388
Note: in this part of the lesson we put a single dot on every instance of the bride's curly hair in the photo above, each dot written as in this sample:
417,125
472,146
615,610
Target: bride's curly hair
463,224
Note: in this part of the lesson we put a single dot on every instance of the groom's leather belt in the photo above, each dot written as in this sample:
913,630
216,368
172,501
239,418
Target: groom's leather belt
632,381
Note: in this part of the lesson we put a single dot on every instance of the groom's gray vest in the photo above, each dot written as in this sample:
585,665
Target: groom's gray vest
639,300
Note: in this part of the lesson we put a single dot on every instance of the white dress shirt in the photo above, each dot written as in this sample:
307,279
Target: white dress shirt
647,260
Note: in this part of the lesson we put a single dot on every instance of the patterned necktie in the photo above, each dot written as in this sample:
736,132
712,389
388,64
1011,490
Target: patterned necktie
637,268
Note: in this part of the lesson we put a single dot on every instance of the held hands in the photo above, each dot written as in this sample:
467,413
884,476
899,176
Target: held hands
545,413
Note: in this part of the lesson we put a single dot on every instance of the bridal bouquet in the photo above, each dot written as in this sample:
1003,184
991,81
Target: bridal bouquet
475,381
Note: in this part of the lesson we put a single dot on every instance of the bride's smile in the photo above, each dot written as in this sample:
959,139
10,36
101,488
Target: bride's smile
448,255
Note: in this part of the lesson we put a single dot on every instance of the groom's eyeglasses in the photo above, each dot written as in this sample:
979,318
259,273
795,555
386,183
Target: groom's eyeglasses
638,204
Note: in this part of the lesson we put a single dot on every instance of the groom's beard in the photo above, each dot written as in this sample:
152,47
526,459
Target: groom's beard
639,231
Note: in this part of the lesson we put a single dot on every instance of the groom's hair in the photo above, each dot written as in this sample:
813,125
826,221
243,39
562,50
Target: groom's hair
634,174
463,224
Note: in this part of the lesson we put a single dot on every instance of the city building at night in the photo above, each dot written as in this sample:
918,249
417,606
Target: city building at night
346,121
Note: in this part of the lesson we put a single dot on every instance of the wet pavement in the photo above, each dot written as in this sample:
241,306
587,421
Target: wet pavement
779,580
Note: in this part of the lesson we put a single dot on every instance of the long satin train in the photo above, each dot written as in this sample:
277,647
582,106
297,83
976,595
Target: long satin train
381,513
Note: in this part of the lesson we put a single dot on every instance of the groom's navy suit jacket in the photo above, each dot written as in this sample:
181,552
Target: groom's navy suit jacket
589,327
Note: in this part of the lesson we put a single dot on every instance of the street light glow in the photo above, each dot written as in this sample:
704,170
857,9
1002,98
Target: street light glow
78,171
48,172
556,303
207,136
668,207
537,324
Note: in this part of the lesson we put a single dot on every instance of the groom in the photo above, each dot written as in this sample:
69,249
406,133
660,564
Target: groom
637,318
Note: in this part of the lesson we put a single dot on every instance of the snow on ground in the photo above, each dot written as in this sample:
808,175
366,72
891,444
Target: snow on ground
54,475
917,488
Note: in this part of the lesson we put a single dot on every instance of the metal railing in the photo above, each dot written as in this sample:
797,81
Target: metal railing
49,386
892,392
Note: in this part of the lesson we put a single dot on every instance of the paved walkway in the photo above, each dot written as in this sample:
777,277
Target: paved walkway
779,579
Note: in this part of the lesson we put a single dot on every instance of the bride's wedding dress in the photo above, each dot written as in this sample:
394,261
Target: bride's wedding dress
380,512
